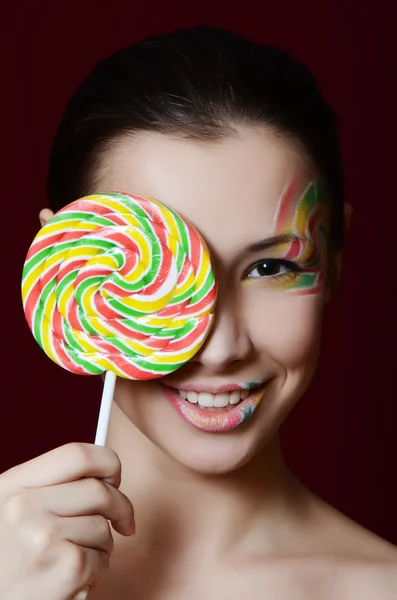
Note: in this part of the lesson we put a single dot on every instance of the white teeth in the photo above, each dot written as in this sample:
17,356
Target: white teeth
208,400
235,397
192,397
221,399
205,399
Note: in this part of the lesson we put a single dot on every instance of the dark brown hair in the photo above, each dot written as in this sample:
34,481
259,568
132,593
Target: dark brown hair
198,82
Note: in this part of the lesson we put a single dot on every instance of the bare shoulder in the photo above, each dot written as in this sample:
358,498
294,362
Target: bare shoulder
375,580
376,575
364,563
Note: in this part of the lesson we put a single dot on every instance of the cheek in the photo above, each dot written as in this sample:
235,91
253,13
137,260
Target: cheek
285,326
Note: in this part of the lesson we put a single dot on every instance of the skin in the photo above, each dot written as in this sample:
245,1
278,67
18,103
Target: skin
219,514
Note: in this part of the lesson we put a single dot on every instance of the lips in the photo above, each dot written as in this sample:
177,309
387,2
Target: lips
216,419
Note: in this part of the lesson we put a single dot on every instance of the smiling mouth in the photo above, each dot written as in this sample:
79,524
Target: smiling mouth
215,412
225,400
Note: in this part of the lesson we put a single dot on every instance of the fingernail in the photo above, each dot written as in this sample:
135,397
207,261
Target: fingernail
82,595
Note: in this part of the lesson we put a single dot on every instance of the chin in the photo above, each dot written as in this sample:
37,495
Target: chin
213,454
196,446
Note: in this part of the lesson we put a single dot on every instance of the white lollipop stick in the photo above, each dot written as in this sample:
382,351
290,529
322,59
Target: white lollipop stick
106,406
100,436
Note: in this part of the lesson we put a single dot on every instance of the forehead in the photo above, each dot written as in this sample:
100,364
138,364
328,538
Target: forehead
229,189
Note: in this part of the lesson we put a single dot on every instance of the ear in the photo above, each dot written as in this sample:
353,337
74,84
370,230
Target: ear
347,216
45,215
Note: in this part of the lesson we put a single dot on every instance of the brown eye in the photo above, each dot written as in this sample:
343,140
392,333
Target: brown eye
266,269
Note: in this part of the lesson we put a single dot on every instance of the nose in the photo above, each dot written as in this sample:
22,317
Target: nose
228,340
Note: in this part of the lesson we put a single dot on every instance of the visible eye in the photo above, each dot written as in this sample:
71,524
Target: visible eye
272,268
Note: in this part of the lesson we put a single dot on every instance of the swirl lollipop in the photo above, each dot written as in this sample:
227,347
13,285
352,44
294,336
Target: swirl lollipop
118,283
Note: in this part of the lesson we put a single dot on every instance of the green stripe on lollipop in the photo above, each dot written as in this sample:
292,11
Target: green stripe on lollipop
183,234
39,315
82,217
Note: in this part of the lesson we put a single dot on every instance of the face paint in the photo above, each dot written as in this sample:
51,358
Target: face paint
307,222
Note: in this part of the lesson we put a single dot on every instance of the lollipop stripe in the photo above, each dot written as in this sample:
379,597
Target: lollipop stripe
40,322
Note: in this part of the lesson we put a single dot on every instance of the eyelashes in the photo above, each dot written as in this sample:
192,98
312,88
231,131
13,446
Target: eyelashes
273,270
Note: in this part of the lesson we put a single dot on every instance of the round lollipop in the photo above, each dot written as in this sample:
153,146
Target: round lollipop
119,283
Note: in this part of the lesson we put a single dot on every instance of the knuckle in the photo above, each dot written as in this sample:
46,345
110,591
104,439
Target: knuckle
17,508
102,527
114,462
79,454
41,538
73,564
77,566
99,493
84,456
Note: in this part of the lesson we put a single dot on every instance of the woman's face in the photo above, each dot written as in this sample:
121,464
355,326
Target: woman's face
239,193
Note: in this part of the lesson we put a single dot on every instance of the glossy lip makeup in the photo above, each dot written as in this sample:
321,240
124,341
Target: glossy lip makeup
217,419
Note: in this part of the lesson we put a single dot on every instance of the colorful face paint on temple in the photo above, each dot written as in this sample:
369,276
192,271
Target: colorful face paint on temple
306,221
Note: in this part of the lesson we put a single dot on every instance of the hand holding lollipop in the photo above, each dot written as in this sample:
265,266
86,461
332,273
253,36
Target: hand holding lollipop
114,283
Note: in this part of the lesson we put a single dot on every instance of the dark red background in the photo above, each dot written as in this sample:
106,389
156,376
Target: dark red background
341,438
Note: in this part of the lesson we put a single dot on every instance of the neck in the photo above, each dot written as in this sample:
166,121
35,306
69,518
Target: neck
176,506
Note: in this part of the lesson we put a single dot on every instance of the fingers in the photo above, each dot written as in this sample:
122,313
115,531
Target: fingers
54,513
63,573
68,463
78,568
45,215
89,532
89,496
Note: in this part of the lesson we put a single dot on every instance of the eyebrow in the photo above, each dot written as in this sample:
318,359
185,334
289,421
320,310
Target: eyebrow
272,242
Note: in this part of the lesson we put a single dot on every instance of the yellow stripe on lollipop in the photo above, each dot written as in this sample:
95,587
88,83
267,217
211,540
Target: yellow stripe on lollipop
53,259
29,282
117,207
86,299
136,274
39,271
82,252
137,303
102,260
64,299
168,218
137,346
63,227
97,324
82,339
203,270
141,241
132,222
46,329
107,365
172,243
155,321
173,358
186,284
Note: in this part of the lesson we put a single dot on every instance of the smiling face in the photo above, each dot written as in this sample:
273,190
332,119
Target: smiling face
264,217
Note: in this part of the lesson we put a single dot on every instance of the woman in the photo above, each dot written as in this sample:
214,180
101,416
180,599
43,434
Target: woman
237,138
